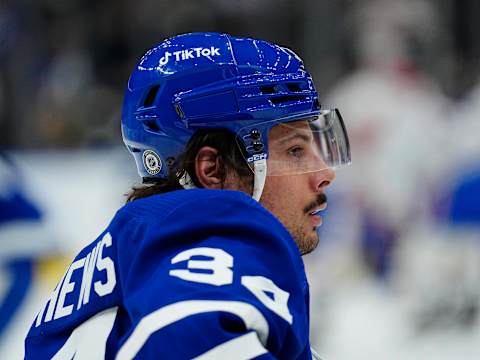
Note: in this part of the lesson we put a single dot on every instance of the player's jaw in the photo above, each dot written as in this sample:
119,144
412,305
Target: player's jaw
307,237
300,217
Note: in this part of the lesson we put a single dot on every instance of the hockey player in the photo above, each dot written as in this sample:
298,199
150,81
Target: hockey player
205,261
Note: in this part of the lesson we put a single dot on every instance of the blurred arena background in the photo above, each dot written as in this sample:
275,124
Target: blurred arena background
397,274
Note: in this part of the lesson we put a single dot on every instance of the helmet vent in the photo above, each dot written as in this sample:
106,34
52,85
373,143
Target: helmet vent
151,95
294,87
268,89
151,125
287,99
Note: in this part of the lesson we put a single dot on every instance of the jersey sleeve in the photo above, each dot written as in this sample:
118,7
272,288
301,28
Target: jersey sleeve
213,280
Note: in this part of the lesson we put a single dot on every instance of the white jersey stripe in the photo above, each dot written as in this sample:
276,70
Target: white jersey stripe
251,316
245,347
87,342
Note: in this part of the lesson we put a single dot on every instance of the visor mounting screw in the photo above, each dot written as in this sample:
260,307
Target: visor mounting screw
257,146
255,134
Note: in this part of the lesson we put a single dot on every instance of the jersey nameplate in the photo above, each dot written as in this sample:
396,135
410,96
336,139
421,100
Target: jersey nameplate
95,261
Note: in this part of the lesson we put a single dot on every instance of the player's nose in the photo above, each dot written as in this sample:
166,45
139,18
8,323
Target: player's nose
322,178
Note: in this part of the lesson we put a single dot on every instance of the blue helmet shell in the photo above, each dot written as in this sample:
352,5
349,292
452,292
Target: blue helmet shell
210,80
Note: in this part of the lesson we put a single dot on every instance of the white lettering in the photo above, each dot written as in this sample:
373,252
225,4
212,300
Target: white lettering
93,260
257,157
105,263
67,287
177,55
215,51
189,54
164,59
87,277
51,301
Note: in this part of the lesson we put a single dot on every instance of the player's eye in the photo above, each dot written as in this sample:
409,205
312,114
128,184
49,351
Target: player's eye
296,151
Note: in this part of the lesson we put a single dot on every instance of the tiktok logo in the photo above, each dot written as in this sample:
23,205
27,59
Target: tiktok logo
189,54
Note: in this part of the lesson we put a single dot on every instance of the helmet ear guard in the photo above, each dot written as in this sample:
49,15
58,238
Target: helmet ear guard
212,81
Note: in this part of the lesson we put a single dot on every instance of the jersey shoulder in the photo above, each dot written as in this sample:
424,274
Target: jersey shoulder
201,211
170,223
183,201
220,261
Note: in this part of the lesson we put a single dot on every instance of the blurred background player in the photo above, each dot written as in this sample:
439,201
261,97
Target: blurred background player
26,241
387,233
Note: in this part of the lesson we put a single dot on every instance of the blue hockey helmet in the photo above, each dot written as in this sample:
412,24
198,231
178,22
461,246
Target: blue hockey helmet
209,80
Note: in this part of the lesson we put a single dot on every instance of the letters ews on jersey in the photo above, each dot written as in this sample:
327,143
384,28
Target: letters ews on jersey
95,261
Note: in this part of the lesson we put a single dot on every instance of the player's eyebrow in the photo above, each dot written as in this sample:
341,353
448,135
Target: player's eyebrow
305,138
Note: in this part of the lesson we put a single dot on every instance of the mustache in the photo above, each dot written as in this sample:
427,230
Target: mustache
320,200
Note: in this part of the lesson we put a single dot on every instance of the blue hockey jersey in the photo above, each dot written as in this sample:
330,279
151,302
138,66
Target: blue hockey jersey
190,274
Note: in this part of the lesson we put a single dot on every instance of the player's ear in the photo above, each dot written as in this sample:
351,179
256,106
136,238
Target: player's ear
207,168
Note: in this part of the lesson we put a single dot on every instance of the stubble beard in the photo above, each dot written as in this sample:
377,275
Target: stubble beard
305,236
306,242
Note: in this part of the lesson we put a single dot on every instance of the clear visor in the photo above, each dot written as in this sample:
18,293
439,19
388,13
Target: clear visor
311,144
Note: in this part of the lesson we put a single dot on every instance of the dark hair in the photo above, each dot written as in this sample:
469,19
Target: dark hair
230,156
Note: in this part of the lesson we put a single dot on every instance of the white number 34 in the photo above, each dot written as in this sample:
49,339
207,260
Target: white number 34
217,270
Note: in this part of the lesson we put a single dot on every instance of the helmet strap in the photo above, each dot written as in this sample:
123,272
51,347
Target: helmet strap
260,171
186,181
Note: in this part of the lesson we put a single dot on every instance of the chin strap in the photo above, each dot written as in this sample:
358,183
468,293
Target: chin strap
260,170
